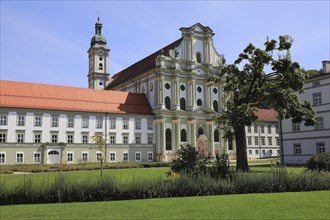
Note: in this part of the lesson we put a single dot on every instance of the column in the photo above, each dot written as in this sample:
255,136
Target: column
192,132
191,95
208,95
176,135
175,93
159,81
209,124
160,139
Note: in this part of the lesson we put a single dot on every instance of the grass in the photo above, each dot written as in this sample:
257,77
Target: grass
124,175
297,205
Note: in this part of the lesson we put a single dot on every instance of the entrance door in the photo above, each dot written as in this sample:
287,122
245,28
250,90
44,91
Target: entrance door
53,157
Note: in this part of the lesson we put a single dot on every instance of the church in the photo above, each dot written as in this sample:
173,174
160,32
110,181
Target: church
145,112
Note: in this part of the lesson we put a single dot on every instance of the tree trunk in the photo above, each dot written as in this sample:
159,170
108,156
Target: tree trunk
240,138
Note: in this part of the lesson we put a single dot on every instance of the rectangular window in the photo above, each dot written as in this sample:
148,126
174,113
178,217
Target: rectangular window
319,123
150,156
270,141
277,141
276,129
112,123
84,156
125,124
255,129
2,158
256,152
19,157
20,138
316,83
37,120
21,120
320,147
36,157
297,149
3,119
69,157
112,157
138,124
317,98
138,140
270,152
262,129
37,138
149,139
54,121
249,129
250,152
70,122
269,129
70,138
263,141
125,139
295,127
3,137
125,156
256,141
150,124
54,138
99,123
98,156
249,140
112,138
137,156
84,123
263,153
85,138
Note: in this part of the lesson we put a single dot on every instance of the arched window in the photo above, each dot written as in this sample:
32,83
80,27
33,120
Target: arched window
199,57
183,135
216,106
200,131
100,66
199,102
167,102
53,152
183,104
168,137
216,135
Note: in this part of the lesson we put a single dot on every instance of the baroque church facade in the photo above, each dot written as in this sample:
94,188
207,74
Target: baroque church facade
145,112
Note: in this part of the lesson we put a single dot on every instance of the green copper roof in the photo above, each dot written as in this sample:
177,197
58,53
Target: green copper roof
98,37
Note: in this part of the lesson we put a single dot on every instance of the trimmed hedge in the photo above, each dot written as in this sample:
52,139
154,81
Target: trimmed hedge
9,169
105,189
319,161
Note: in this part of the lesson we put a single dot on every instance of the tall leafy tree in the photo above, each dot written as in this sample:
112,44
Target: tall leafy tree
259,78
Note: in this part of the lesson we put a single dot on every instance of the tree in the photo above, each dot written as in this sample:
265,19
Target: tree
248,87
100,146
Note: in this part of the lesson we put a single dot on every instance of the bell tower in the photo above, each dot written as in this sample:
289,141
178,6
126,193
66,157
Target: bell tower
98,55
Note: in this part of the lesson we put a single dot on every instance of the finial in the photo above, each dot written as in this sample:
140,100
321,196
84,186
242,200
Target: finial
98,19
162,52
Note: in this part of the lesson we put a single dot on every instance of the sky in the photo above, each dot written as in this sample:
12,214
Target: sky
47,41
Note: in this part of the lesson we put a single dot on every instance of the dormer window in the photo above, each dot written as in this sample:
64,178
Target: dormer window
199,57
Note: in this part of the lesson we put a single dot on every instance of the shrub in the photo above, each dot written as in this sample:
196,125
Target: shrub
186,161
64,189
319,161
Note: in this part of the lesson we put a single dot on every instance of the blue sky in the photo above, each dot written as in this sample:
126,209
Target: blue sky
47,41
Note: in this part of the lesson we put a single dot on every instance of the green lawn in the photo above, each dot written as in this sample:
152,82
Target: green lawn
296,205
125,175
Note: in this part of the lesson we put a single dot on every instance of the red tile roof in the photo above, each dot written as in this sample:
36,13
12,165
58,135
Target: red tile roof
141,66
267,115
53,97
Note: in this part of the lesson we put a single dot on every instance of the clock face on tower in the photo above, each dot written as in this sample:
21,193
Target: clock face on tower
100,52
